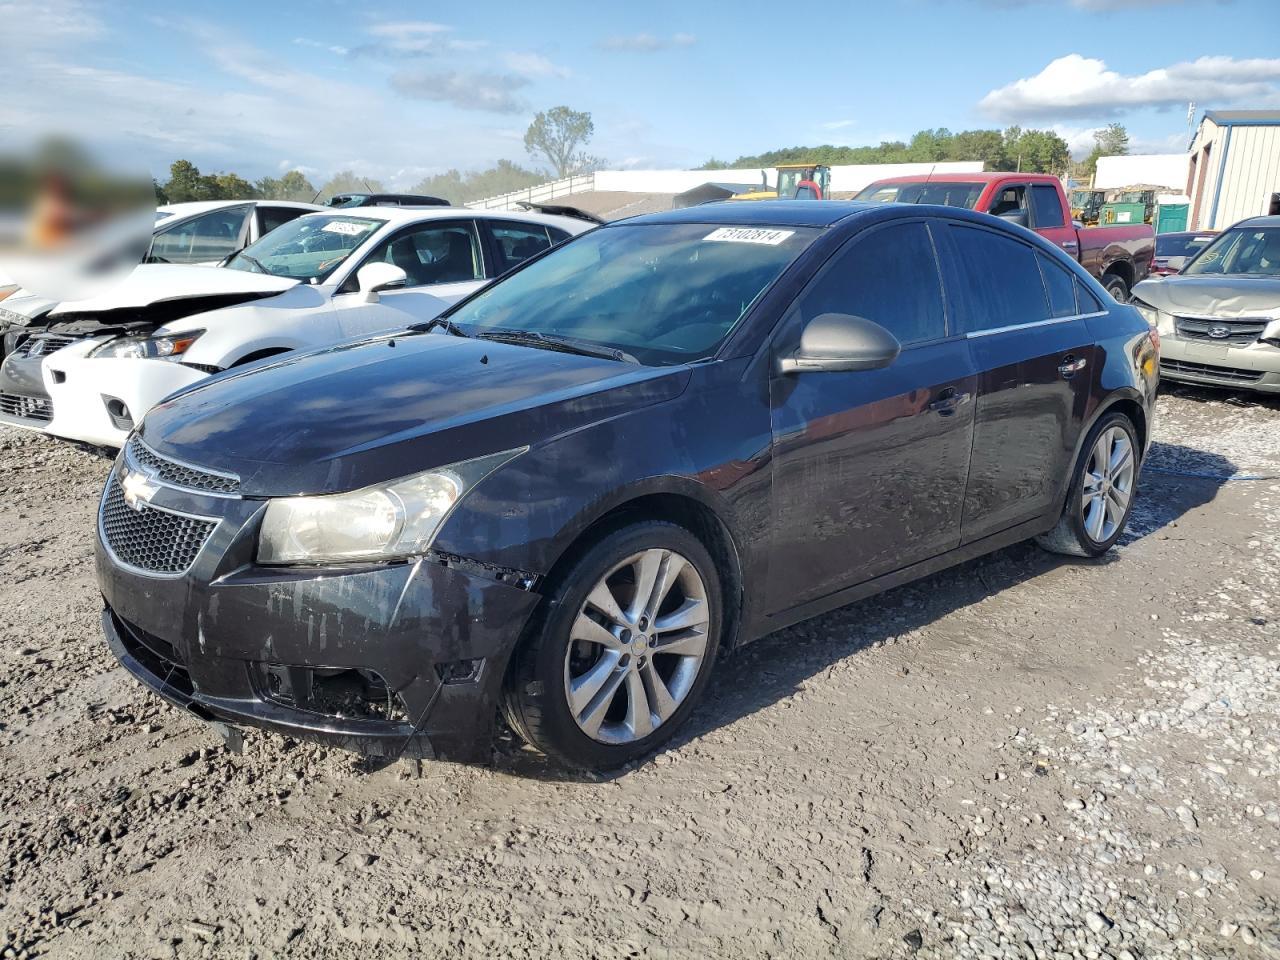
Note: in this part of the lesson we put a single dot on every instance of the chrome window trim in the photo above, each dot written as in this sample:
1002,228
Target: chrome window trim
159,481
139,571
1035,323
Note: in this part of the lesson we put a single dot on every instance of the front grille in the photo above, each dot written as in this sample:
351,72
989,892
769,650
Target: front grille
1238,332
27,408
41,345
1232,374
179,474
150,539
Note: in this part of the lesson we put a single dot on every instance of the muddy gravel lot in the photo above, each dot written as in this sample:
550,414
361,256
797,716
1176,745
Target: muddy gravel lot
1021,757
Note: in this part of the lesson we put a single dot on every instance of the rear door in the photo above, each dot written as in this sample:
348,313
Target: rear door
870,466
1033,353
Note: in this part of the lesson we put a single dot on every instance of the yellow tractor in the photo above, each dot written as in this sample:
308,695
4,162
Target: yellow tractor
796,181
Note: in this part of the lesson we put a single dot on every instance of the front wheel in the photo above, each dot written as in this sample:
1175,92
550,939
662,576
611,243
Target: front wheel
1100,498
1117,287
626,645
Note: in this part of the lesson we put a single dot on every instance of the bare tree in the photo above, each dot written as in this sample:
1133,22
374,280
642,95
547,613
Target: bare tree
557,134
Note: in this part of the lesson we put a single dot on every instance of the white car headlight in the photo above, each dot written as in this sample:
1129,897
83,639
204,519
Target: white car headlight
147,348
1149,313
398,519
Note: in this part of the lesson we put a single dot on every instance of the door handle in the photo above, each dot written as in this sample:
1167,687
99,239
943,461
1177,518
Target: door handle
948,401
1071,365
1069,245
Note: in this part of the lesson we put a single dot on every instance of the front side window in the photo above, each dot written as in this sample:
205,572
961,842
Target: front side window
1240,252
203,239
309,248
1008,200
517,242
434,253
1001,280
889,276
946,194
665,293
1046,207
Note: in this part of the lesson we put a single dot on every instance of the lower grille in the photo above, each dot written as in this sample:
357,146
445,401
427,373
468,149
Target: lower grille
1238,333
27,408
149,539
159,657
1232,374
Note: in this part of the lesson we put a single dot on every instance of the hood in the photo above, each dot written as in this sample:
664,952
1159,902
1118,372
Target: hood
374,410
1225,297
153,283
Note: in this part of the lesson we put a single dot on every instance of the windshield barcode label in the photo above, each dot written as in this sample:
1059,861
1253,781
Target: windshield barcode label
749,235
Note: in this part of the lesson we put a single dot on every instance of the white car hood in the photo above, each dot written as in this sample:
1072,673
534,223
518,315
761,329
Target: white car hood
160,282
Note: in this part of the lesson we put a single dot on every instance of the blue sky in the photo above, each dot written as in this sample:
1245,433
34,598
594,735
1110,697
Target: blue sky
399,90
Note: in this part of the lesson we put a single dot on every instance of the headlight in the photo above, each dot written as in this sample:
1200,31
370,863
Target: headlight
1149,313
145,348
13,318
399,519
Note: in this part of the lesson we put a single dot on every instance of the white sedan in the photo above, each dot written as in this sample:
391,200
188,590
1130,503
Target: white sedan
321,278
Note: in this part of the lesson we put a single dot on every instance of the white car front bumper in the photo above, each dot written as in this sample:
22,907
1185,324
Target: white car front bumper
99,400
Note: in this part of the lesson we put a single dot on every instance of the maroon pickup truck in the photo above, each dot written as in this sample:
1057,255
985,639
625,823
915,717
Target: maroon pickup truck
1118,256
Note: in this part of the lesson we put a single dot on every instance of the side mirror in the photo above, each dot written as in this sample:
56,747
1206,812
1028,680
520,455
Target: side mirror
1016,216
836,341
373,277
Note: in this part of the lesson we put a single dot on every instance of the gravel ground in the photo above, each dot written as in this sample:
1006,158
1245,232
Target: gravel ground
1021,757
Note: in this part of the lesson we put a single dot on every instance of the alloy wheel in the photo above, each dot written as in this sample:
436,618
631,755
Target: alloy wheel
636,646
1108,484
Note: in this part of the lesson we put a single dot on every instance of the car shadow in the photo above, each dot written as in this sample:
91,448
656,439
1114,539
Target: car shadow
778,665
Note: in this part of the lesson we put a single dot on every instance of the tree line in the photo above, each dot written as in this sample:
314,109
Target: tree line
1034,151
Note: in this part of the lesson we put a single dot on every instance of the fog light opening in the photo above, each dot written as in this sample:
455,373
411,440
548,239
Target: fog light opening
346,694
459,671
119,413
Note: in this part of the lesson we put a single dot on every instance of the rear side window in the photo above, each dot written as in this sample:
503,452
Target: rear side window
517,242
1088,303
889,276
1000,279
1046,207
1060,285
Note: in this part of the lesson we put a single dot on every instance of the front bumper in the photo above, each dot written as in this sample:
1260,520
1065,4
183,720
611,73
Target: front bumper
100,400
1253,367
274,647
24,402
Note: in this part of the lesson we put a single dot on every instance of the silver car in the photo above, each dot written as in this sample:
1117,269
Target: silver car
1219,318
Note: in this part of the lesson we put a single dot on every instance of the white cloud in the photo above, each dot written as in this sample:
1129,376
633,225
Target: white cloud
495,92
533,65
645,42
837,124
1078,86
319,45
414,38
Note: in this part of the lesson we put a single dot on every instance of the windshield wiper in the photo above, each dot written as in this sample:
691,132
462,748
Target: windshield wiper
245,256
444,323
552,341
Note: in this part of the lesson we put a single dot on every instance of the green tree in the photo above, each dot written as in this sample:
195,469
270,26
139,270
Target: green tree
185,183
232,186
292,186
456,187
345,181
558,135
1035,151
1111,141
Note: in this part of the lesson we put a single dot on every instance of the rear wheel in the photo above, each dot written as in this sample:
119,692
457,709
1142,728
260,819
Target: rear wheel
1100,498
624,650
1117,287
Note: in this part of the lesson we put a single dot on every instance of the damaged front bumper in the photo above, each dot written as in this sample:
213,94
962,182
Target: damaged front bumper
391,659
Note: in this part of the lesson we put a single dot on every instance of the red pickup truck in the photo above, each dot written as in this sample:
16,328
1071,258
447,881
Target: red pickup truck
1118,256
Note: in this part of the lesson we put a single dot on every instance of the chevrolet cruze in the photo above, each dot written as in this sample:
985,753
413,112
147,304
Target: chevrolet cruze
561,501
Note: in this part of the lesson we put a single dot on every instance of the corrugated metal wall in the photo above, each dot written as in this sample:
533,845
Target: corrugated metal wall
1251,176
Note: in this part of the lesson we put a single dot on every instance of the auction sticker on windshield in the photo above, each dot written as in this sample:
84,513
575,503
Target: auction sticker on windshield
749,235
349,228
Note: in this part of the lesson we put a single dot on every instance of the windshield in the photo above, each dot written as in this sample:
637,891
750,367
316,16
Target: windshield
665,293
1240,252
946,194
1181,244
309,248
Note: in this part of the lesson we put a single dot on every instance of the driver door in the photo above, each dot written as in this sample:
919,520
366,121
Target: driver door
443,261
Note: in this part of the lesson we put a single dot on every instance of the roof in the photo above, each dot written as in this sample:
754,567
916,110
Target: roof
948,177
1259,222
193,207
790,213
1226,118
407,215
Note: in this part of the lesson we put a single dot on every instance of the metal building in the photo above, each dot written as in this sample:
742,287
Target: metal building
1235,167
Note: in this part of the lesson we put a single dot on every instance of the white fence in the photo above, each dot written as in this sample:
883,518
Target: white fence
542,193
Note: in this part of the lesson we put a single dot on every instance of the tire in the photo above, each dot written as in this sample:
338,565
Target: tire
1082,531
1117,287
573,691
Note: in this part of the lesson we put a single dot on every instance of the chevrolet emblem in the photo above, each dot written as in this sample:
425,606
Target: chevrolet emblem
137,490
